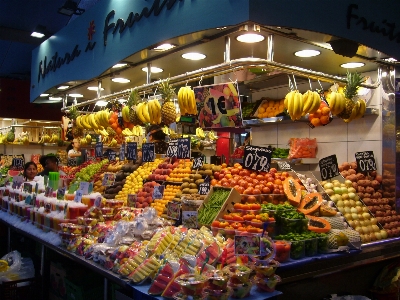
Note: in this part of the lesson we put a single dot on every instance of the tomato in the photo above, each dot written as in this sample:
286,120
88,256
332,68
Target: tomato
270,185
236,225
214,182
276,191
248,179
215,224
243,183
223,180
256,182
253,175
238,218
263,217
226,184
248,191
242,229
256,191
252,229
249,217
246,206
223,224
278,182
260,177
235,171
251,199
273,170
266,190
256,221
227,217
237,206
240,190
255,206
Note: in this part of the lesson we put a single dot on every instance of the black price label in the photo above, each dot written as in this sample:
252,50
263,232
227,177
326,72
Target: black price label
198,162
204,188
284,166
131,150
71,162
328,167
158,192
112,155
18,162
122,152
172,150
148,152
365,161
183,148
257,158
99,150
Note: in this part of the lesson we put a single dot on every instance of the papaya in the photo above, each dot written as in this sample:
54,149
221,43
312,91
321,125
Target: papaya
310,203
318,225
327,211
292,190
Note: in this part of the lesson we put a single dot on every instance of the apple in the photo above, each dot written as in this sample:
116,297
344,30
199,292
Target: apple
337,190
328,186
384,234
330,192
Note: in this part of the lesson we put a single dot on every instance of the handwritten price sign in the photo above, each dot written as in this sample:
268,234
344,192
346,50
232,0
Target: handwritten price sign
172,150
99,150
257,158
183,148
198,162
131,150
365,161
328,167
148,152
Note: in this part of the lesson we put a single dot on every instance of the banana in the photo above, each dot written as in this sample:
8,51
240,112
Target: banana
139,112
308,100
354,112
125,113
85,124
158,108
151,111
332,102
93,121
180,101
287,98
298,105
362,108
145,112
193,108
185,100
341,102
78,122
316,103
233,89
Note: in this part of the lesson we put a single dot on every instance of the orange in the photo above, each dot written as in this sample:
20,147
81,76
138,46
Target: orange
325,111
316,122
261,110
317,114
324,120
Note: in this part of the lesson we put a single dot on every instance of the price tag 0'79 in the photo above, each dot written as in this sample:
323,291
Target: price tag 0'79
329,167
257,158
365,161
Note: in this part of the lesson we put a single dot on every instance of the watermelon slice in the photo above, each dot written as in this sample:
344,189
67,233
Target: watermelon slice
173,288
163,278
13,173
213,252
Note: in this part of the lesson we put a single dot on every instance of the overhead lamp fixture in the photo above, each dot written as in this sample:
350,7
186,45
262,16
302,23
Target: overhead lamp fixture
307,53
122,100
390,60
70,8
101,103
153,70
55,98
44,95
63,87
39,32
7,119
352,65
221,28
120,80
119,65
94,88
252,36
76,95
164,47
193,56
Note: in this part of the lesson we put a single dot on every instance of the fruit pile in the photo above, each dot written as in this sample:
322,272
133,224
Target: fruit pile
145,194
170,192
321,116
270,108
180,169
208,211
186,101
87,171
164,169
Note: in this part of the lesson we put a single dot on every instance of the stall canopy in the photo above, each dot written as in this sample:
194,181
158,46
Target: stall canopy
113,30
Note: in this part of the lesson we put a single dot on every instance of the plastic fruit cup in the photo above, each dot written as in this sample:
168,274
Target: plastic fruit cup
87,221
240,290
265,269
191,284
238,273
210,294
69,197
86,200
73,212
282,249
297,250
267,284
217,280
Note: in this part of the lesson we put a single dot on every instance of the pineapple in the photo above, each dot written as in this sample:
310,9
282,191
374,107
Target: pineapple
73,113
11,135
77,132
168,112
350,90
133,100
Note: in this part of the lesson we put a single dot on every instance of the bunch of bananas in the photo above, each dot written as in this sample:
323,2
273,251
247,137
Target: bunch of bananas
311,102
125,113
142,112
358,111
186,101
200,133
135,131
113,143
98,120
212,136
3,265
103,132
337,102
49,139
154,109
294,104
87,140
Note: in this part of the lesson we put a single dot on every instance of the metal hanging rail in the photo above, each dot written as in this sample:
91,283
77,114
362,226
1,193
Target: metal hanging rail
228,67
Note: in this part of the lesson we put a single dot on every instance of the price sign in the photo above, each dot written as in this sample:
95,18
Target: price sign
99,150
78,196
198,162
183,148
328,167
18,162
172,150
71,162
122,152
189,219
247,245
284,166
174,210
257,158
131,150
108,179
148,152
84,187
112,155
158,192
132,198
28,187
365,161
204,188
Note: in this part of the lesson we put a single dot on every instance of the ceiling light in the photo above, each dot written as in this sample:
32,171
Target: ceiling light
390,59
193,56
39,32
101,103
153,70
7,119
70,8
221,28
307,53
120,80
94,88
164,47
250,38
352,65
44,95
119,66
55,98
122,100
63,87
76,95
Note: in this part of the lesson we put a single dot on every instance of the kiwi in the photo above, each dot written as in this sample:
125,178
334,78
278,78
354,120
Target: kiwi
193,186
186,179
191,176
185,185
198,181
207,167
201,172
208,172
197,176
186,191
193,191
178,194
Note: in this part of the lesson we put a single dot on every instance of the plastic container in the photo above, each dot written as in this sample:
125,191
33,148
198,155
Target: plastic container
267,284
217,280
72,228
323,244
191,284
240,290
87,221
297,249
282,249
311,247
265,268
210,294
112,203
238,273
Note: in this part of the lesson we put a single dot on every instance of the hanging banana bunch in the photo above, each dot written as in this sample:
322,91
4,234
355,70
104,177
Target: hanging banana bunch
187,101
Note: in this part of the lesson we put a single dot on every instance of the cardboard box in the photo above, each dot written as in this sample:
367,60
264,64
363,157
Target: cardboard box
57,280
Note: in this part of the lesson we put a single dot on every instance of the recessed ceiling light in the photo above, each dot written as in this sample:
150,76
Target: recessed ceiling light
55,98
307,53
164,47
76,95
122,100
120,80
94,88
63,87
193,56
37,35
390,59
119,66
221,28
352,65
7,119
153,70
250,38
101,103
44,95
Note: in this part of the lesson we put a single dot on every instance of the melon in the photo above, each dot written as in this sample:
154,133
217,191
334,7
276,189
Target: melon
318,225
327,211
310,203
292,190
13,173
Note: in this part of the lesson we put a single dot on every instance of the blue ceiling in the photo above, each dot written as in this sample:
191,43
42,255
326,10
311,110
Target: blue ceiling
18,18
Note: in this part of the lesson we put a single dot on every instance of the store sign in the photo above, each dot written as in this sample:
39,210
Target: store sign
365,161
257,158
218,106
172,150
131,150
329,167
148,152
184,148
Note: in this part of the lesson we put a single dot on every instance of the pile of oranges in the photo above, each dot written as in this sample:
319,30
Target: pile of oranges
321,116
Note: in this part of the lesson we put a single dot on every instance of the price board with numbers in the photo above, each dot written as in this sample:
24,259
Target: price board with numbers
158,192
99,149
328,167
183,148
112,155
71,162
122,152
204,188
131,201
172,150
18,162
131,150
365,161
198,162
189,219
148,152
257,158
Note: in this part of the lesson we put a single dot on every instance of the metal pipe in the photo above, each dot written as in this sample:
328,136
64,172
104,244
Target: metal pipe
270,50
148,78
227,49
98,88
231,66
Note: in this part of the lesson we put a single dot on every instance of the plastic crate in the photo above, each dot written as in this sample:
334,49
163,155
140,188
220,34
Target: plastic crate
19,289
